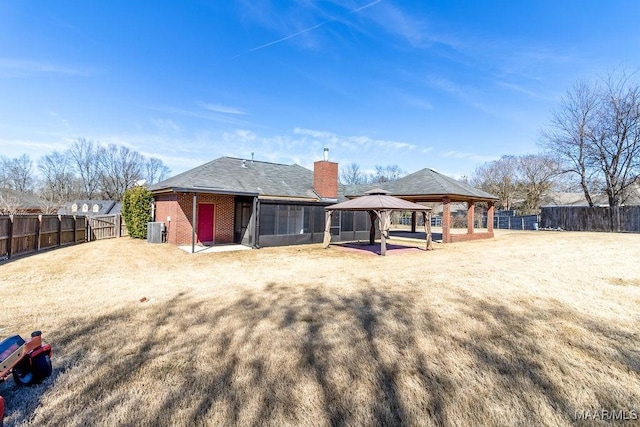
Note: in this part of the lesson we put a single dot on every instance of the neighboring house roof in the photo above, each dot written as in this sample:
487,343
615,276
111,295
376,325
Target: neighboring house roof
578,198
91,207
425,182
228,175
12,200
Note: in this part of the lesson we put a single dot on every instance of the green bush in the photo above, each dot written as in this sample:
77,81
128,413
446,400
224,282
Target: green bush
136,211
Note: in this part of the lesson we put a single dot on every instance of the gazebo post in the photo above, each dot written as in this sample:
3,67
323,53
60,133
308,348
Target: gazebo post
471,213
426,217
446,220
414,221
490,213
372,230
383,232
327,229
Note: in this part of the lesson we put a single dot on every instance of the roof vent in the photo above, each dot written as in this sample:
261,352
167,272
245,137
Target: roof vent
244,163
252,157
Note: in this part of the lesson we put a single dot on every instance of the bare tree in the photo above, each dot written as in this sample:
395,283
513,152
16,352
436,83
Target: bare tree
595,133
85,156
568,135
500,178
155,171
120,168
17,173
351,175
10,203
58,183
388,173
616,137
537,176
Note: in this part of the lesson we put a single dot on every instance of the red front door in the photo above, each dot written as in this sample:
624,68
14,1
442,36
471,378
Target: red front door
205,223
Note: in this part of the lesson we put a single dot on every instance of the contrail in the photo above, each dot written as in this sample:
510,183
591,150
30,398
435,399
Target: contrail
290,36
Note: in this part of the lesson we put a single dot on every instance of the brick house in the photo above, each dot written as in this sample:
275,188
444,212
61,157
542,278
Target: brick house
231,200
252,203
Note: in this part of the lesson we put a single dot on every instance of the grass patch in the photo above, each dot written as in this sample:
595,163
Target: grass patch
522,329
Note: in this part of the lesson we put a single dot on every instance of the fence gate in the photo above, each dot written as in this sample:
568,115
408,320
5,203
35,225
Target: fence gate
105,227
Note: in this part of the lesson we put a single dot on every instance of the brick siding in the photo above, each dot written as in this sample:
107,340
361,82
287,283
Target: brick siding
179,206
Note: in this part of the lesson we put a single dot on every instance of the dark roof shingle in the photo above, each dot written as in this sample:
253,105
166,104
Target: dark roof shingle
232,175
424,182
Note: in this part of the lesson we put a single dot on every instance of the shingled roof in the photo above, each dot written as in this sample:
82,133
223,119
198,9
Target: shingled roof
422,185
228,175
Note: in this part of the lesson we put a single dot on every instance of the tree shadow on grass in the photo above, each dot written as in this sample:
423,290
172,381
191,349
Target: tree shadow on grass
285,355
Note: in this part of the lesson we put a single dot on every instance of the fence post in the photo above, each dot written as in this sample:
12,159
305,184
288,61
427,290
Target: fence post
10,242
59,230
38,227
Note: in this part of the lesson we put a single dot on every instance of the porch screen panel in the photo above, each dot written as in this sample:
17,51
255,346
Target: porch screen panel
318,219
282,219
306,220
294,225
268,219
346,222
362,221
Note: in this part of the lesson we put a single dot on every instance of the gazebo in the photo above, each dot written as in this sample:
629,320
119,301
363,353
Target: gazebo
379,204
429,186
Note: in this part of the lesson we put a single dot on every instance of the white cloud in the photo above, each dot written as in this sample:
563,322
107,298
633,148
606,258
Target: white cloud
352,142
206,114
18,147
469,156
14,67
222,109
165,125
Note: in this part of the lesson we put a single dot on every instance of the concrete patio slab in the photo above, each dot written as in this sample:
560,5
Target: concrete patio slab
215,248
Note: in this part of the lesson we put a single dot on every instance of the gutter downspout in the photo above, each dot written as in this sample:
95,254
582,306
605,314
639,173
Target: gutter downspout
256,219
193,225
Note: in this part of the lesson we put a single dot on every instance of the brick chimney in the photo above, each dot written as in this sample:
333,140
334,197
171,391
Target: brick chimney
325,177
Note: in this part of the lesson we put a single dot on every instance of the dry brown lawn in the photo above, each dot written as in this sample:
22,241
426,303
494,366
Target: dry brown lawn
529,328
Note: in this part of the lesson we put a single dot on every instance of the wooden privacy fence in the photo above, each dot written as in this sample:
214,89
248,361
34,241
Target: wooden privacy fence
106,227
23,234
584,218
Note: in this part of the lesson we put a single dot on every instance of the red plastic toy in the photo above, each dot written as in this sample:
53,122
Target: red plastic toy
29,361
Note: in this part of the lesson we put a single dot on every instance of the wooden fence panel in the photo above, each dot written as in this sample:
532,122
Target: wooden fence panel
24,238
67,230
584,218
5,236
49,231
104,227
24,234
82,226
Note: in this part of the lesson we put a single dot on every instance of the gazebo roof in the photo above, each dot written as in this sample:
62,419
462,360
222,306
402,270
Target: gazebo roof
377,200
425,185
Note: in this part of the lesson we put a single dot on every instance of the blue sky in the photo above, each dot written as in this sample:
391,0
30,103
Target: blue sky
440,84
